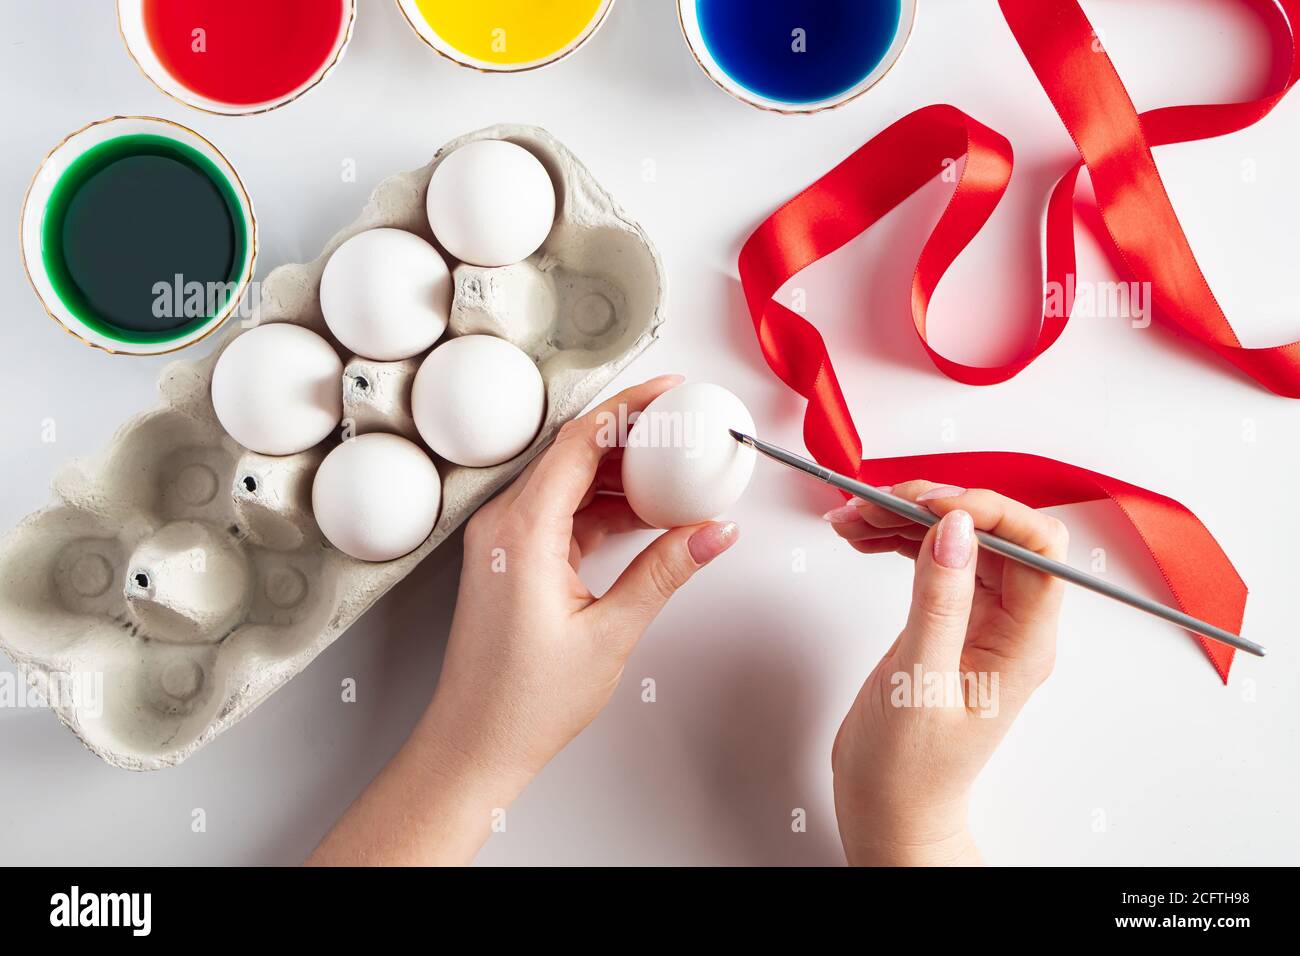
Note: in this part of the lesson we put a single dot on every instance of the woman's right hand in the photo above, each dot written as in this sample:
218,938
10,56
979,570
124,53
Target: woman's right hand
980,637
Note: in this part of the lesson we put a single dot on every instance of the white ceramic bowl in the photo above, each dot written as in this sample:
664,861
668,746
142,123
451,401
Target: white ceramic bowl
42,188
688,15
426,33
130,23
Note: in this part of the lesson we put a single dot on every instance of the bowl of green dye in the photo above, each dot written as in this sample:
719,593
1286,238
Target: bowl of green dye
138,236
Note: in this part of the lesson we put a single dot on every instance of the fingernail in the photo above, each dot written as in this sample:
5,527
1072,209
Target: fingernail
885,488
711,540
943,491
954,540
845,512
674,378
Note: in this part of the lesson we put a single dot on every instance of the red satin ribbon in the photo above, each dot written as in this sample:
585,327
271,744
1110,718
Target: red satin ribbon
1115,143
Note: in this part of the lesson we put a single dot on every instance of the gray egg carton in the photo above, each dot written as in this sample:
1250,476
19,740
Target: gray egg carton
189,572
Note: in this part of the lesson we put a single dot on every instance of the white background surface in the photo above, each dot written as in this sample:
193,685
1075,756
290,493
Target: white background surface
1132,753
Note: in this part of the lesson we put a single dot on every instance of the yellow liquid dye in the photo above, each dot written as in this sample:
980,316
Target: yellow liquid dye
509,31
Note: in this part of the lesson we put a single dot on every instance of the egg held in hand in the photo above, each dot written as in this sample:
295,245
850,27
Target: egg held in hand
681,465
491,203
386,294
478,400
278,389
376,497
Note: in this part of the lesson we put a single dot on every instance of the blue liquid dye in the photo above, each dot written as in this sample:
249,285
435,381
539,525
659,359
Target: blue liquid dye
755,43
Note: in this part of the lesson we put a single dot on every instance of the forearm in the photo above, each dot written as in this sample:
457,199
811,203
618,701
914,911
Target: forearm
958,849
906,837
433,805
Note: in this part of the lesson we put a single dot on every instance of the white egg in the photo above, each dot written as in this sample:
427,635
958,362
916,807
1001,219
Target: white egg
478,400
278,389
491,203
680,465
386,294
376,496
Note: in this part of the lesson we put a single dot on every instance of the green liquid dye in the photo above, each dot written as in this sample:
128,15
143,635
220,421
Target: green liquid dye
134,212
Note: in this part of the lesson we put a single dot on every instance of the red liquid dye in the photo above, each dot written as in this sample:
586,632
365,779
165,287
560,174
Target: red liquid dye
250,51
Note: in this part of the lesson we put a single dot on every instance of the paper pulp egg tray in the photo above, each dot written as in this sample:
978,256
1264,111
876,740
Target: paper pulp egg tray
186,575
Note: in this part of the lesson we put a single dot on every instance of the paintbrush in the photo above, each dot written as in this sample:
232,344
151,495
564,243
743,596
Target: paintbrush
1008,549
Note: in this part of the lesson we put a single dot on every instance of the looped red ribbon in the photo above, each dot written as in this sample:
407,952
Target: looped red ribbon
1114,142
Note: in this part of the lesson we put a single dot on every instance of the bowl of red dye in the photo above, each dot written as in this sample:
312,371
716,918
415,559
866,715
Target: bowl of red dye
236,57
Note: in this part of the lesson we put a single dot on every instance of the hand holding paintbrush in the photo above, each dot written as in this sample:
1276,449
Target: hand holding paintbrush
912,513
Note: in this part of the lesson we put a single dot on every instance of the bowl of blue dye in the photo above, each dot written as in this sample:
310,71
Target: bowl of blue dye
796,56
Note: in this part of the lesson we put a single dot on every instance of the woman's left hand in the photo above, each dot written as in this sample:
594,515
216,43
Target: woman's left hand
533,655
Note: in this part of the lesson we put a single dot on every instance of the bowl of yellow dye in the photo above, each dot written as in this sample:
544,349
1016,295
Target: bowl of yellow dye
505,36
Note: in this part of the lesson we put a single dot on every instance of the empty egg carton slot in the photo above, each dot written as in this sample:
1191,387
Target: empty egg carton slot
187,573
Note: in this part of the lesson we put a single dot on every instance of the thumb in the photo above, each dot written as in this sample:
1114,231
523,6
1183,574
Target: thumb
942,593
656,573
